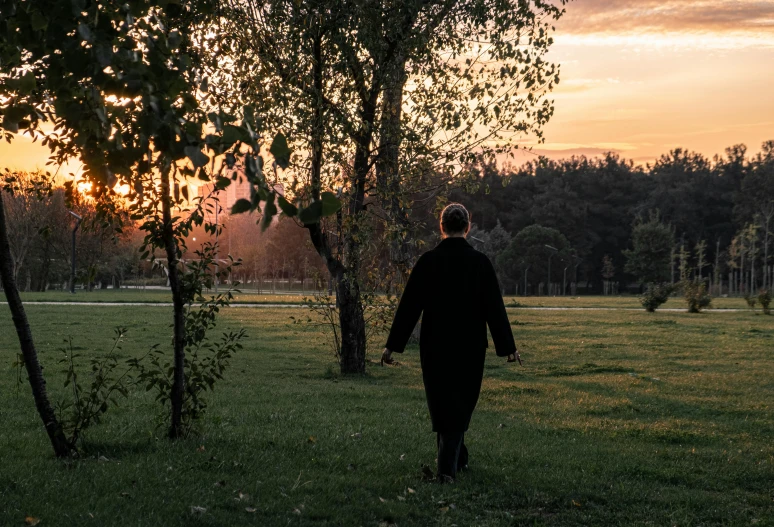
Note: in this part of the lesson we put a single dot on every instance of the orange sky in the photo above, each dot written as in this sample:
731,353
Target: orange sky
641,77
644,76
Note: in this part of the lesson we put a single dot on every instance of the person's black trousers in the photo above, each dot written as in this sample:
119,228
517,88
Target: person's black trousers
452,453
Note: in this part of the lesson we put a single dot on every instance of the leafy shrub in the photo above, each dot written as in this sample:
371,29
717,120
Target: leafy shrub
764,297
379,310
89,405
751,300
205,361
655,295
696,295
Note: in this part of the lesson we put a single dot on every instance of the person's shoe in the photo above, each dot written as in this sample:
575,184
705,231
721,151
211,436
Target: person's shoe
443,479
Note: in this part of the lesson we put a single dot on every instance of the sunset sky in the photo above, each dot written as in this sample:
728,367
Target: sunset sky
641,77
644,76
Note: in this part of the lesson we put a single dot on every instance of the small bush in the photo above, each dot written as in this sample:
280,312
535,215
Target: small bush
655,295
696,295
751,300
764,297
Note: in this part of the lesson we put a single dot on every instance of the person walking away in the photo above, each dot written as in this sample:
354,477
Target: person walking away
455,289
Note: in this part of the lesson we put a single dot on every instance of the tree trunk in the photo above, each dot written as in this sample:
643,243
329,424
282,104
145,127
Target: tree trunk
30,354
388,180
178,306
352,321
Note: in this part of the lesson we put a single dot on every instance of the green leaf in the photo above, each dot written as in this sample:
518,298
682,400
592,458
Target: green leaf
241,205
287,208
280,150
197,157
222,183
27,83
10,125
84,32
232,134
330,203
311,214
38,21
269,211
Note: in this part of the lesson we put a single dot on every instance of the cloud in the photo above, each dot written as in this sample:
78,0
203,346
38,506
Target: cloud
620,16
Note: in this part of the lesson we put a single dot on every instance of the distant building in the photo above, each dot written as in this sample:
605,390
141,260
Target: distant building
239,189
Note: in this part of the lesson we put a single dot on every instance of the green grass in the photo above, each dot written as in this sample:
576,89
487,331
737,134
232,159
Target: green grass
247,297
131,295
617,418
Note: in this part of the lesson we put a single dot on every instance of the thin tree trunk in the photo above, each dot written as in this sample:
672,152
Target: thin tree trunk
388,171
170,246
30,354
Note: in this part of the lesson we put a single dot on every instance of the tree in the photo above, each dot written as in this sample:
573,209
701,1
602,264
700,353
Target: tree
530,250
755,201
649,258
20,321
338,75
122,85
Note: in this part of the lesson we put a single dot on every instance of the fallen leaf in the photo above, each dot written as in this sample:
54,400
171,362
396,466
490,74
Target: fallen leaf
403,457
351,467
444,509
501,425
312,439
102,459
576,503
195,509
296,511
401,498
410,490
31,520
452,506
251,510
382,499
356,435
242,497
201,449
221,483
125,495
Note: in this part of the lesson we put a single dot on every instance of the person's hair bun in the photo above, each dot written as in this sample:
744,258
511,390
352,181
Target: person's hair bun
455,218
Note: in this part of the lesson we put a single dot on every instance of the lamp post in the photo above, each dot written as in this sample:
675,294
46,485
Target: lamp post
217,249
550,255
78,220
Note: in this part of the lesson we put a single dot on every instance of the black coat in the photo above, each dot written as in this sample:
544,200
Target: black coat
456,289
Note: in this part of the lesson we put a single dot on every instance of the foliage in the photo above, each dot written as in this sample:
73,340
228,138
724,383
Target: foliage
751,300
86,407
335,78
764,297
205,361
595,201
656,295
696,295
649,258
379,311
529,250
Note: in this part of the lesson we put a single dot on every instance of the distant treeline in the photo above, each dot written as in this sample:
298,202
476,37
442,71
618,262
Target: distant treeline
726,202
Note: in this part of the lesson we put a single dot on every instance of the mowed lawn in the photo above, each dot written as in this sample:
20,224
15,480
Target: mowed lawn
617,418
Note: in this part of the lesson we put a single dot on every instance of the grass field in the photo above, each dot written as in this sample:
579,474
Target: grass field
617,418
247,297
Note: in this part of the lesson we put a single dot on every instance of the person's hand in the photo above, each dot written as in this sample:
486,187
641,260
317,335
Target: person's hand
513,357
387,357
